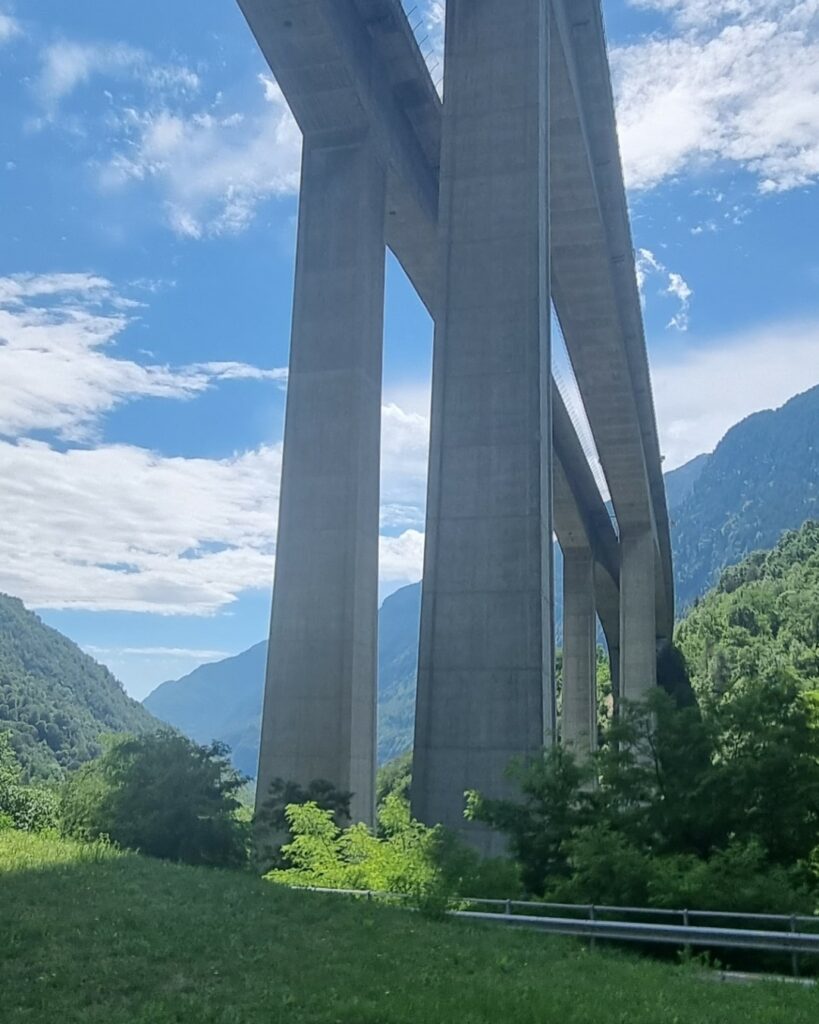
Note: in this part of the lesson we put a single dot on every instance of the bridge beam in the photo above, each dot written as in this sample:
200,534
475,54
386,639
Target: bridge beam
485,683
320,696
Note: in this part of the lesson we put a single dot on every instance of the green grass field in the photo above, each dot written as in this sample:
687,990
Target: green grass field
94,937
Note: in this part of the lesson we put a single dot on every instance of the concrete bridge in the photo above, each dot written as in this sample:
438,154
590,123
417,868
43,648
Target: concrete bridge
501,203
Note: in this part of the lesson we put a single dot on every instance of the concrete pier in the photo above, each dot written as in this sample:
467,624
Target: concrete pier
320,697
506,196
579,718
485,685
638,642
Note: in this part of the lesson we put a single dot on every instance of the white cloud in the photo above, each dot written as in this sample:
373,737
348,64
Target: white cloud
210,171
703,391
157,652
67,65
678,287
57,368
118,527
646,265
9,28
401,559
734,80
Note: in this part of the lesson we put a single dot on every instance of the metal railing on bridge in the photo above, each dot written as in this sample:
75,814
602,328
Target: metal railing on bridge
786,934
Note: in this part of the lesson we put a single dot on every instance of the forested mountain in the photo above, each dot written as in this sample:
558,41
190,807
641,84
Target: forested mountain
760,621
54,699
762,479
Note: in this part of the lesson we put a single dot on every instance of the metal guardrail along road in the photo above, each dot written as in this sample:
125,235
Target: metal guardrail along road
792,939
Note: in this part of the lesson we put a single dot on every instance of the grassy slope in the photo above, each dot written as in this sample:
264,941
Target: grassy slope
117,938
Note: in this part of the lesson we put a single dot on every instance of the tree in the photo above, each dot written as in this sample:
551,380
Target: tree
394,777
555,802
163,795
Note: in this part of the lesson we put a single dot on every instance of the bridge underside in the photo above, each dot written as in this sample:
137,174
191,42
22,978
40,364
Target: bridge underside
501,203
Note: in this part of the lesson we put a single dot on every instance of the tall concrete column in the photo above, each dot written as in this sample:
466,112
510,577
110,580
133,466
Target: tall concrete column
579,719
320,696
638,644
485,683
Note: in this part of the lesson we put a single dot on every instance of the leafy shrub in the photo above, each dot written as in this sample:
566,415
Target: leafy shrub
427,866
29,808
163,795
404,860
271,825
607,868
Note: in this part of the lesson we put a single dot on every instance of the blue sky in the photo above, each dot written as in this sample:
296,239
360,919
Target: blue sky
148,174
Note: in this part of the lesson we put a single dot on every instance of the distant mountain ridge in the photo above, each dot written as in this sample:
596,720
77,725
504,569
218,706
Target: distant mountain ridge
762,479
54,698
226,693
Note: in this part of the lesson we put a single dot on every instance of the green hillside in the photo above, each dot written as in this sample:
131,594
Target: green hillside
54,699
94,937
761,620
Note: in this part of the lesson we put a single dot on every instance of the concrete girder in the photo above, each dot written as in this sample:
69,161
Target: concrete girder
596,223
308,56
346,65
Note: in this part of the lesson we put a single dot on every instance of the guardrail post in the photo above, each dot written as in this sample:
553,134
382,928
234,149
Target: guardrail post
592,917
508,908
794,954
686,924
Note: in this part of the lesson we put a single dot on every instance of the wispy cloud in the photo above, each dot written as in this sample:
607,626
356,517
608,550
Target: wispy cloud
67,64
205,167
730,81
705,389
210,171
9,28
121,528
647,265
58,371
185,653
118,527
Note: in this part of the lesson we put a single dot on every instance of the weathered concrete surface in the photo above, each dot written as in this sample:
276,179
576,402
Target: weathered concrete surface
485,690
320,697
347,64
352,66
579,717
638,648
595,286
